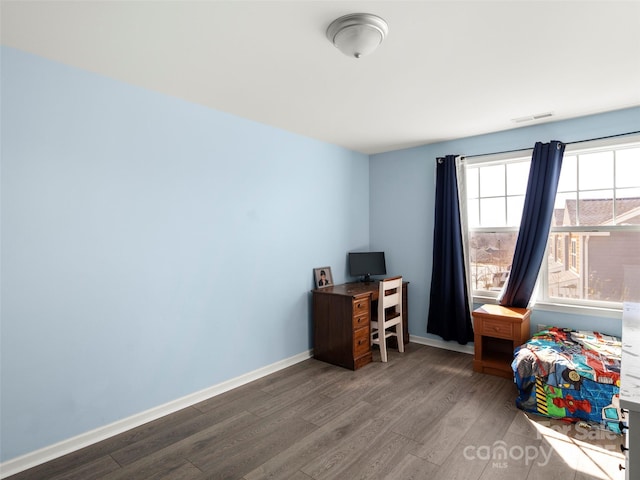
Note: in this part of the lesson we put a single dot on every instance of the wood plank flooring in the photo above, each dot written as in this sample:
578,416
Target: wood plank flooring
424,414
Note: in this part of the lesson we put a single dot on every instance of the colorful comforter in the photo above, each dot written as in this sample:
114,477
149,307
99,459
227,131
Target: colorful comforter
571,375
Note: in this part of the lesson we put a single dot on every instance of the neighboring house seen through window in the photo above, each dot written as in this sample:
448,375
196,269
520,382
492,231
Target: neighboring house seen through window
595,230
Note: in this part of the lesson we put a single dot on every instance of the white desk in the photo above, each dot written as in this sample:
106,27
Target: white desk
630,384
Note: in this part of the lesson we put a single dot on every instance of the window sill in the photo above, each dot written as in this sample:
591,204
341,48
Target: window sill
563,308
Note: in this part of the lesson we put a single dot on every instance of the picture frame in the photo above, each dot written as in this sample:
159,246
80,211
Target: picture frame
323,277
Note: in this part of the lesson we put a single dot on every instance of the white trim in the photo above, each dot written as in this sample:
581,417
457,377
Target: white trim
32,459
487,159
439,343
583,310
616,142
566,308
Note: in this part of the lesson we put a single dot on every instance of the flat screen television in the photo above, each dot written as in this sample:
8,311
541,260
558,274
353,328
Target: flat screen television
366,264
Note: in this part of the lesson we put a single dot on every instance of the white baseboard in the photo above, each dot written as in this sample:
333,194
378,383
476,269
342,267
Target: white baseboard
32,459
439,343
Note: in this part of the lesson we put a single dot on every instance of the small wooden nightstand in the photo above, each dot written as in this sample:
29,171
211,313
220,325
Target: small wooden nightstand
498,331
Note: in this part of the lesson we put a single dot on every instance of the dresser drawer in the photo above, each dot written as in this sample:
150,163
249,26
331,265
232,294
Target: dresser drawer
496,328
360,341
360,321
360,306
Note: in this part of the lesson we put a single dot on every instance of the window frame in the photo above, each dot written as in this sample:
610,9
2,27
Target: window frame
543,300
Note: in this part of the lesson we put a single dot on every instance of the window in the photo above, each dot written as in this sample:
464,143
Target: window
495,198
595,229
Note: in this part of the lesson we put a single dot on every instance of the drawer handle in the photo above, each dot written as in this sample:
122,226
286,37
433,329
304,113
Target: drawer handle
623,427
623,448
359,305
621,467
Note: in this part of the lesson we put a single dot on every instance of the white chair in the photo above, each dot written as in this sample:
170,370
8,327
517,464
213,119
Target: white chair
389,315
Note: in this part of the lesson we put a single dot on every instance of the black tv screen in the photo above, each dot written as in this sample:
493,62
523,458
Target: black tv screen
365,264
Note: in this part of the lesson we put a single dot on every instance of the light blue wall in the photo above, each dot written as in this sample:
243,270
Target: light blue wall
408,178
151,248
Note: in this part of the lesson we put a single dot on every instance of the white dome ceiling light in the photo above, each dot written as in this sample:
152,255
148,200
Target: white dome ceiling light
357,34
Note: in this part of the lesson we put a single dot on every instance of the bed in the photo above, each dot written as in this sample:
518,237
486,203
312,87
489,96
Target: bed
570,375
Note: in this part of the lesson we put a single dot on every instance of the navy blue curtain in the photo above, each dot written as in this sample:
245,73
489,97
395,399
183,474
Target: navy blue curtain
449,315
544,175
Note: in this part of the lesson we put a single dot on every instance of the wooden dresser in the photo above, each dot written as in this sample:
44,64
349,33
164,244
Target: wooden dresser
498,331
341,323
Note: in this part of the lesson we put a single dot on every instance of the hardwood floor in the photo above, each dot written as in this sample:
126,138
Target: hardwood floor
424,414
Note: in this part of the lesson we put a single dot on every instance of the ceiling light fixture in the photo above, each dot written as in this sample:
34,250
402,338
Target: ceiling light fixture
357,34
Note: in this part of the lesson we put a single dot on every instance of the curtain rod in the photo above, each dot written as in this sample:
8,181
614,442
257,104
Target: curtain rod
567,143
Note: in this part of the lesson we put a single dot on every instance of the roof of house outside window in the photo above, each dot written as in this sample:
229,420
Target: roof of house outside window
598,212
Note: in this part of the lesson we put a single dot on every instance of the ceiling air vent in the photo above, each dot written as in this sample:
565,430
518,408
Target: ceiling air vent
531,118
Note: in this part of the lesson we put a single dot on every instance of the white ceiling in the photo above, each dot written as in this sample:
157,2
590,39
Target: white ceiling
447,69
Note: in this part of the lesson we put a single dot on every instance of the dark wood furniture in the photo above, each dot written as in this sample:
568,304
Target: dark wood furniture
341,323
498,331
